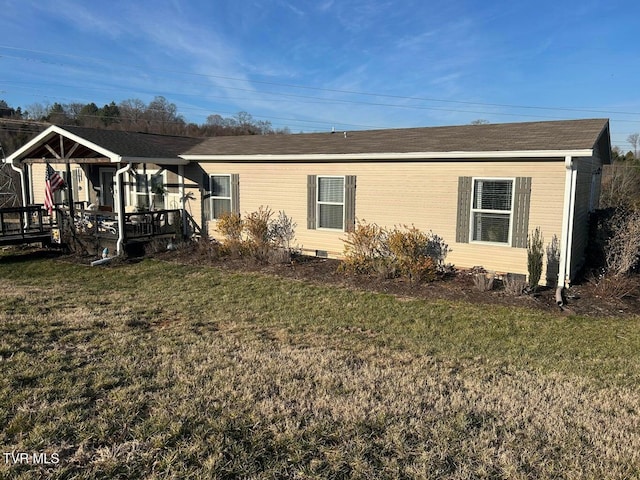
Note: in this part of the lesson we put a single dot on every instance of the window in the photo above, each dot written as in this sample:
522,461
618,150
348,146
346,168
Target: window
220,195
331,202
149,191
491,210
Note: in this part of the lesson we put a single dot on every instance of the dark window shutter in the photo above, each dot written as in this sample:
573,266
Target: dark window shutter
349,203
235,193
311,202
521,202
464,209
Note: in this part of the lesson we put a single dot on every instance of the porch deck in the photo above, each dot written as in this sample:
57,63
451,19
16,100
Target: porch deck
24,225
33,224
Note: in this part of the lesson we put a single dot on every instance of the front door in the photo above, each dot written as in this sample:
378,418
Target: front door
107,182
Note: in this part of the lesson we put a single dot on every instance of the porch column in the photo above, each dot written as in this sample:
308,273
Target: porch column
120,208
183,201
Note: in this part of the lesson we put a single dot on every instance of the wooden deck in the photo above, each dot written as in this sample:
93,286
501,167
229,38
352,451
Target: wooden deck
24,225
32,224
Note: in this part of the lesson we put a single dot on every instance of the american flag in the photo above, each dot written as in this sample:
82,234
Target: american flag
53,183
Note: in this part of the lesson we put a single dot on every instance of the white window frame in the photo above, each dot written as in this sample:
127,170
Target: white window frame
499,212
318,202
212,197
134,194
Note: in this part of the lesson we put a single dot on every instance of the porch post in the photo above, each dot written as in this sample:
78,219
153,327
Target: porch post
70,193
183,201
121,226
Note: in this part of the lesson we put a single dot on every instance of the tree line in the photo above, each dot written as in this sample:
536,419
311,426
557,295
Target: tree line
159,116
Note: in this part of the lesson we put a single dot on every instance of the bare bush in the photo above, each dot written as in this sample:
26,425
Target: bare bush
230,225
364,248
614,287
256,227
403,250
282,231
484,282
258,235
514,284
622,250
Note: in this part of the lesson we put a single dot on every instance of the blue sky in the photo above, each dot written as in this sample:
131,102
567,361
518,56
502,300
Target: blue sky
349,64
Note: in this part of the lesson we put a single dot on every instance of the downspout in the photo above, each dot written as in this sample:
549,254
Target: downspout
119,173
564,270
183,201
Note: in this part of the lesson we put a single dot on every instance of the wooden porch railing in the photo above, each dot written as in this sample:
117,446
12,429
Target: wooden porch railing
138,225
25,224
34,224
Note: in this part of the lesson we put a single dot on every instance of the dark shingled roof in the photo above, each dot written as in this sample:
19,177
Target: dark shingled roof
554,135
135,144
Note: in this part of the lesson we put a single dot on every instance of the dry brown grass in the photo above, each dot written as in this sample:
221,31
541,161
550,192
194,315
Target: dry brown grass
123,387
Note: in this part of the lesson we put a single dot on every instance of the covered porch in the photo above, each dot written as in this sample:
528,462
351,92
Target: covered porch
120,187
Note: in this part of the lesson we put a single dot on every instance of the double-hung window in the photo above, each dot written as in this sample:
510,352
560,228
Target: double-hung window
220,195
330,202
492,210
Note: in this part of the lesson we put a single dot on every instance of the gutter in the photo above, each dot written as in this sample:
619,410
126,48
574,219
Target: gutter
391,156
564,270
119,173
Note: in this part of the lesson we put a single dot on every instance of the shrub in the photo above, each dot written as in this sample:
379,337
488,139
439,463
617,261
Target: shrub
514,284
230,226
258,235
404,250
483,281
409,248
614,287
622,250
553,261
256,227
282,231
365,249
535,254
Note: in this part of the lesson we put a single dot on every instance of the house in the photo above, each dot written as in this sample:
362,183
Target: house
483,188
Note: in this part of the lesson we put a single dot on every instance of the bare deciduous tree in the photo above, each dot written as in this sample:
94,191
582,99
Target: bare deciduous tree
620,186
634,140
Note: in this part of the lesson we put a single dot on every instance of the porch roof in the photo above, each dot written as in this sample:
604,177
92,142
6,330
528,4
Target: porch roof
92,145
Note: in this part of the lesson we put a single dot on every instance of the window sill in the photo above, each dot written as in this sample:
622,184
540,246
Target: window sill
495,244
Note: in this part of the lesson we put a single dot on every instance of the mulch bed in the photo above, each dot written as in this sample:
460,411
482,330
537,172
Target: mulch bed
580,299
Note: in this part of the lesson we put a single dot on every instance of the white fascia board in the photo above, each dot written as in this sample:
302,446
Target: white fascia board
157,161
30,144
560,154
55,129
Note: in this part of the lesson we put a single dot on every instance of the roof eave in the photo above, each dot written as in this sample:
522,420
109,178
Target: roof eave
157,161
53,129
486,155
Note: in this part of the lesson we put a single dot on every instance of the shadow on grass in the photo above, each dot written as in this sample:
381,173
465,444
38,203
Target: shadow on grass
27,255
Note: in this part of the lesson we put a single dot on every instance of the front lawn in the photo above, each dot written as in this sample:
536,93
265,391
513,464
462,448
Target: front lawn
158,370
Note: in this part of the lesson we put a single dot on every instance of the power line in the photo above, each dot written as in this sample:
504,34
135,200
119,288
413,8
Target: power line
320,89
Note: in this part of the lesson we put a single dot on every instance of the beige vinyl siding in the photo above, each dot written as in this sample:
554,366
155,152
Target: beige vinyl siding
37,180
586,167
423,194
